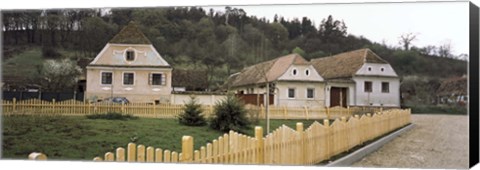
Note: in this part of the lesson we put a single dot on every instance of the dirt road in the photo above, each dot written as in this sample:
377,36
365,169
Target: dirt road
437,141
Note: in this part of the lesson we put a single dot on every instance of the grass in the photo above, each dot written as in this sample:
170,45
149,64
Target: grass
24,64
79,138
432,109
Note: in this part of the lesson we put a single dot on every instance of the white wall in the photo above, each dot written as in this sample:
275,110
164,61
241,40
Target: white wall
300,100
377,97
204,99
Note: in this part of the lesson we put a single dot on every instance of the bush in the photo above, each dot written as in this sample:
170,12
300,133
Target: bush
111,116
230,114
192,114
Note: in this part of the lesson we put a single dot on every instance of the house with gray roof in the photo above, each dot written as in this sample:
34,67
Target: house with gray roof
354,78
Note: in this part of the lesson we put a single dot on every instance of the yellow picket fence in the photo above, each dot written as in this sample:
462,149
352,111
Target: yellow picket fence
284,146
148,110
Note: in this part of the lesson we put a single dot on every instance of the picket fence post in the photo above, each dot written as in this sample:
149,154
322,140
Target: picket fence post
37,155
14,104
187,148
120,154
302,146
329,137
306,112
131,154
53,105
260,146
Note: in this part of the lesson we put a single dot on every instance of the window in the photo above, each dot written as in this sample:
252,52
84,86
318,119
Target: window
385,87
128,78
382,69
368,86
157,79
369,68
130,55
307,72
310,93
291,93
107,78
294,72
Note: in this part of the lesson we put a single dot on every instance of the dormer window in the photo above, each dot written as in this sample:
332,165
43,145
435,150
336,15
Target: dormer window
382,69
307,72
130,55
369,68
294,72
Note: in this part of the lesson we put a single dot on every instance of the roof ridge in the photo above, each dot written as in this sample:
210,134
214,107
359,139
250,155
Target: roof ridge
130,34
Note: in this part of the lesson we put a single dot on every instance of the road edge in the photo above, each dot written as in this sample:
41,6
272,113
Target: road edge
362,152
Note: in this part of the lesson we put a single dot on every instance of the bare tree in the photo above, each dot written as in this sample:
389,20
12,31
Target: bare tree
445,50
406,40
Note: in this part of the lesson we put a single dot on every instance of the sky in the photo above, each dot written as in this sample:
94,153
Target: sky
433,23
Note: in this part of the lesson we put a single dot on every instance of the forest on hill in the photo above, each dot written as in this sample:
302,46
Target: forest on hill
214,44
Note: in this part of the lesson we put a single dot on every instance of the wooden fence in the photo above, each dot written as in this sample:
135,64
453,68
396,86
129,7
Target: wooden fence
284,146
148,110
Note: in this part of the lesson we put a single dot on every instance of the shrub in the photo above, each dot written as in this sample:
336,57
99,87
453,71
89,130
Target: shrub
192,114
111,116
230,114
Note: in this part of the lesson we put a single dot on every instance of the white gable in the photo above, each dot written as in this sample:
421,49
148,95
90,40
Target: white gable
375,69
301,73
115,54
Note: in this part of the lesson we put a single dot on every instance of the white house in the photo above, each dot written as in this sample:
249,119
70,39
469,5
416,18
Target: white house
355,78
129,66
293,82
358,78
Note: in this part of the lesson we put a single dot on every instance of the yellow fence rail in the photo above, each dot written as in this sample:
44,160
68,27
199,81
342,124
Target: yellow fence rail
284,146
148,110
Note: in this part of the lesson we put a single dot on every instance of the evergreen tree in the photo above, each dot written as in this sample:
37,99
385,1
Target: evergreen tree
230,114
192,114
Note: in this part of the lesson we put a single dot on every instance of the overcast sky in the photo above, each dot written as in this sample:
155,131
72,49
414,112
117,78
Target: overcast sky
434,23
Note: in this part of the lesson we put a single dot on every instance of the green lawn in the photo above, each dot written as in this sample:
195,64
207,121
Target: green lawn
79,138
24,64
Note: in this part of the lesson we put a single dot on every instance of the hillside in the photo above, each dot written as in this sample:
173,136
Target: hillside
197,40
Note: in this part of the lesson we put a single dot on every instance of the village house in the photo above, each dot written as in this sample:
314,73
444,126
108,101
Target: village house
355,78
293,82
359,78
129,66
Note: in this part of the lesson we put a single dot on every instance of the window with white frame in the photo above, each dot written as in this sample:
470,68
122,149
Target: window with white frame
106,78
157,79
310,93
291,93
128,78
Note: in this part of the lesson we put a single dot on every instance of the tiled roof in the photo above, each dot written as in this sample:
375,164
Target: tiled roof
345,65
130,34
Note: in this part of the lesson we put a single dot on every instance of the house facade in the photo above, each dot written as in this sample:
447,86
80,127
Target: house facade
355,78
293,81
129,66
359,78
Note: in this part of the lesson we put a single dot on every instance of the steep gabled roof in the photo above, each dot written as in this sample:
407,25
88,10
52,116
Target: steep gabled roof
130,34
272,70
345,65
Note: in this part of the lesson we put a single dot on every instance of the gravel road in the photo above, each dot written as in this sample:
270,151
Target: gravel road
437,141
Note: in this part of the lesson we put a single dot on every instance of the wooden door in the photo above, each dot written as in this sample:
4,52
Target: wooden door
338,96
